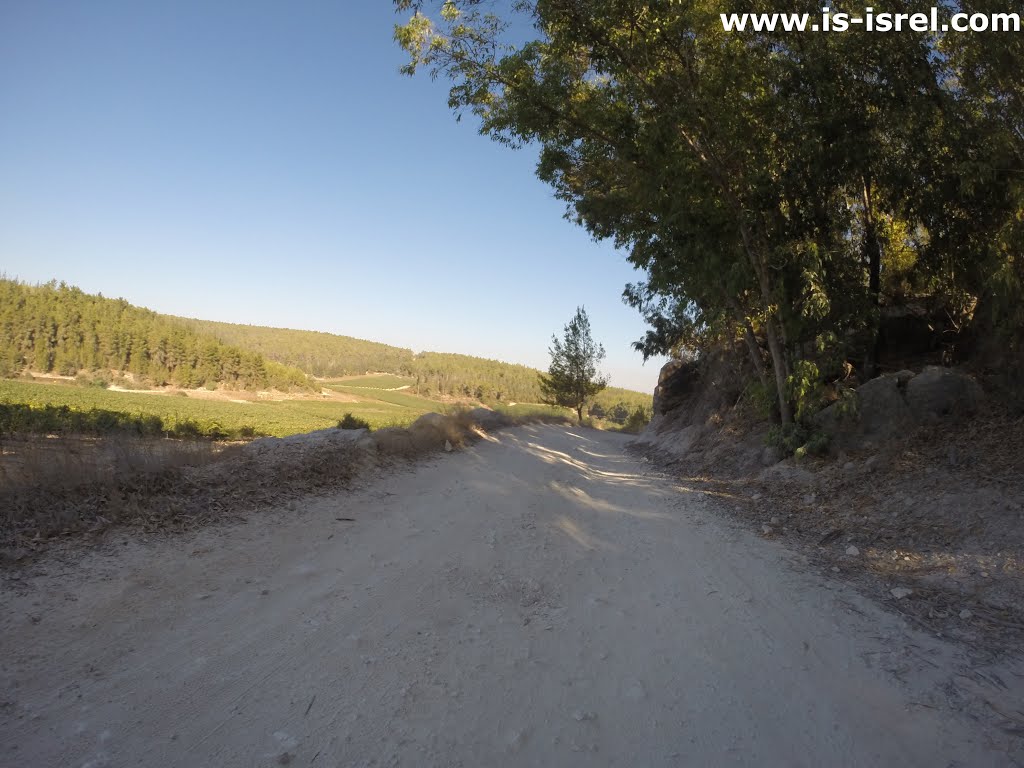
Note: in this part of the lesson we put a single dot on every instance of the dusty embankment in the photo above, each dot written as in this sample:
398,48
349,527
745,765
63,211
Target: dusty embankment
919,501
538,598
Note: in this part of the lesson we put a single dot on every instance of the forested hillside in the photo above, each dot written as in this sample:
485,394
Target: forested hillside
433,373
56,328
319,354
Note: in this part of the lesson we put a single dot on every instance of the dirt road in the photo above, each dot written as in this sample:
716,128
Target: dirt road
537,599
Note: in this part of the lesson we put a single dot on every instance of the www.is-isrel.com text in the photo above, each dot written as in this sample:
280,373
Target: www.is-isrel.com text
931,20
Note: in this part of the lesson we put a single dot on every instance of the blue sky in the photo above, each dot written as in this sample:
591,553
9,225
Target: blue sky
265,163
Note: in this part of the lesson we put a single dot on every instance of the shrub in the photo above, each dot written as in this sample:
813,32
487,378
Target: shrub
798,440
637,420
348,421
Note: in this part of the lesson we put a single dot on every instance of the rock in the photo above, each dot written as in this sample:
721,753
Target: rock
767,530
871,464
775,521
852,551
965,614
901,592
952,456
11,555
938,392
448,446
677,382
883,413
771,455
903,377
785,473
849,466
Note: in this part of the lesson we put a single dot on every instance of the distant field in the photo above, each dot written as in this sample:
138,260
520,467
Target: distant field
535,410
381,381
277,418
402,398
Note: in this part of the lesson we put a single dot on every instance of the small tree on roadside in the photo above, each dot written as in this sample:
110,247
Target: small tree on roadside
572,377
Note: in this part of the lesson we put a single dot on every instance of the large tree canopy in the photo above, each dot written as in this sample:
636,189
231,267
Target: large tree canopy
775,188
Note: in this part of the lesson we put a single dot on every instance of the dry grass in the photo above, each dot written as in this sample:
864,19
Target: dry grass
73,486
63,487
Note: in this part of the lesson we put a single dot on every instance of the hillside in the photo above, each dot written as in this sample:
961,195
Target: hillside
430,374
59,329
325,355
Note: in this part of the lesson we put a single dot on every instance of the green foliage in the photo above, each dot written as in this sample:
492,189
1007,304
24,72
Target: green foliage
573,377
847,404
527,411
638,419
431,374
805,389
58,328
62,420
798,440
348,421
207,418
319,354
761,398
777,189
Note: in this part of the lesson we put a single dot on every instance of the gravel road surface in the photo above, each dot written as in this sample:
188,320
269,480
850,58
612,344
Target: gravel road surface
540,598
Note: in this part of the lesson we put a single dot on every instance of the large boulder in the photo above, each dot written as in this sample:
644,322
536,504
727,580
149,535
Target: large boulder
938,392
677,383
892,404
883,411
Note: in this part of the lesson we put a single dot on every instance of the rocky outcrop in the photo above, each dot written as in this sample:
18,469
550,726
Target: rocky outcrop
938,392
677,382
888,406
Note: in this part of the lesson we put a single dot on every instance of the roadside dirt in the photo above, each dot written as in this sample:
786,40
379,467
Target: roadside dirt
538,598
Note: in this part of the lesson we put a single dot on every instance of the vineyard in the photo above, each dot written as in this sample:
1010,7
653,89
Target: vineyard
64,408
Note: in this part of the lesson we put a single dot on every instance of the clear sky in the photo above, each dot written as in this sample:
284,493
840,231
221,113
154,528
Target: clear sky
264,162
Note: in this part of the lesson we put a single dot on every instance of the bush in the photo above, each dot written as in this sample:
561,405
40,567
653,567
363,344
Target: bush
348,421
637,420
798,440
97,379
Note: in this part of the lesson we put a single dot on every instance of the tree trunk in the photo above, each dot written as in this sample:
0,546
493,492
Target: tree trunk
755,353
779,367
873,255
579,412
750,339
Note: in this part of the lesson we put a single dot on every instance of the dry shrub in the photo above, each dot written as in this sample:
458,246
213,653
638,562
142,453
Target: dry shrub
157,484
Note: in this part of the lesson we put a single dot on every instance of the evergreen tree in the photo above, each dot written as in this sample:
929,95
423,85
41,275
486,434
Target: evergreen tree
573,377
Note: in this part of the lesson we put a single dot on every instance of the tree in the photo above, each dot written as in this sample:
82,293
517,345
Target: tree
572,377
768,185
